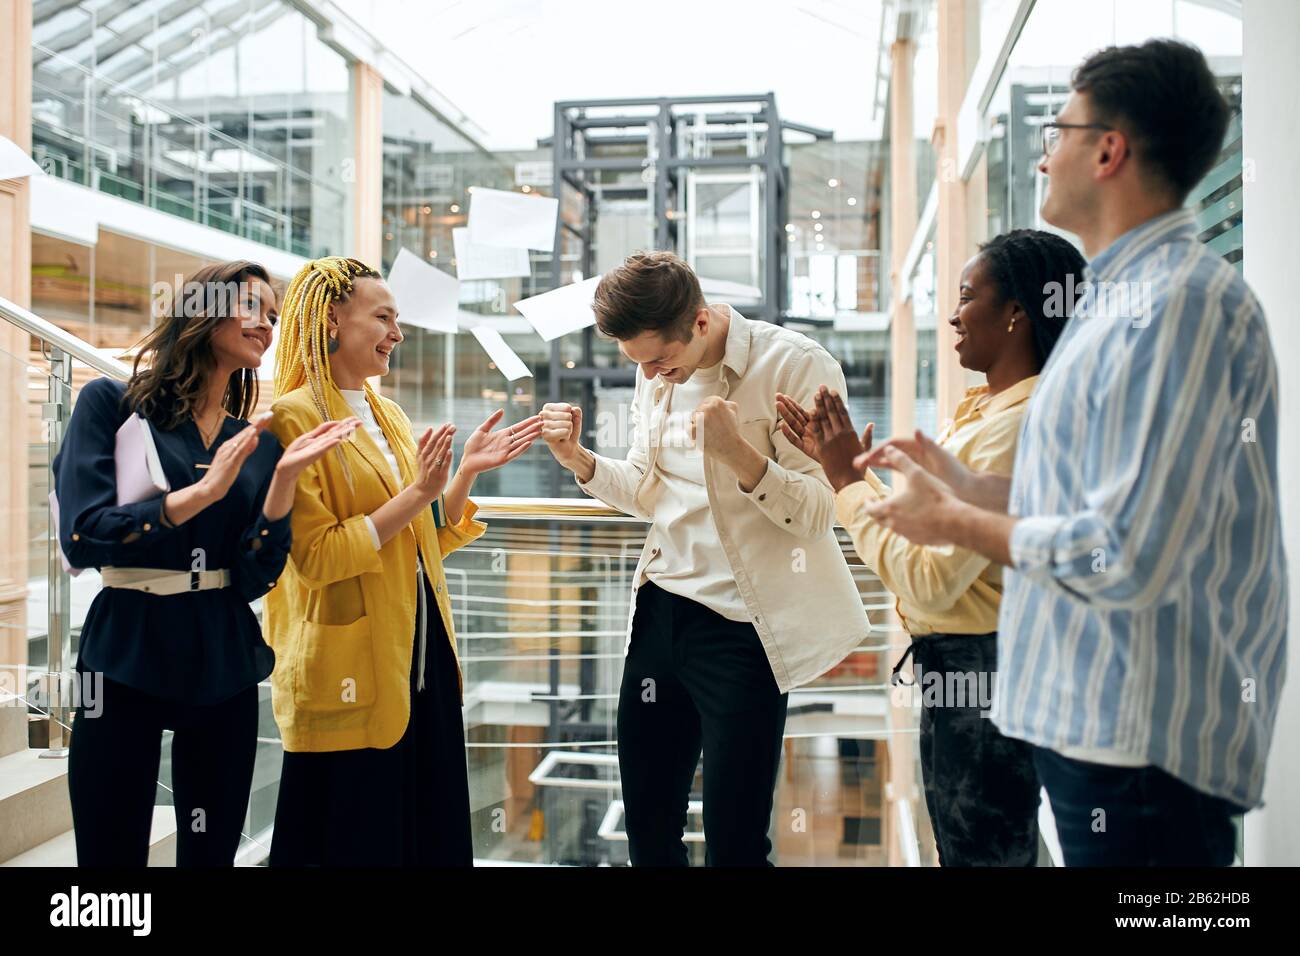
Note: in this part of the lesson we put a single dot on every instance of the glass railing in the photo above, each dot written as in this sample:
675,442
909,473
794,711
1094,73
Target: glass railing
540,605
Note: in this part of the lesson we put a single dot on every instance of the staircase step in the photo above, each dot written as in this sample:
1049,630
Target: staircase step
34,804
62,849
13,724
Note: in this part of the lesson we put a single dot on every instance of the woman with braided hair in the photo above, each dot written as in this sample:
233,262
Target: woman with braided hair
367,688
170,642
981,788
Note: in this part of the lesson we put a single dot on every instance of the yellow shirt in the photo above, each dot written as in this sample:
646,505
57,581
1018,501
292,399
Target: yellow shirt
342,617
945,590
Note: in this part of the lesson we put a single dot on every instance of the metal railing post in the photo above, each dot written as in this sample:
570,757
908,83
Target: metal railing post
58,639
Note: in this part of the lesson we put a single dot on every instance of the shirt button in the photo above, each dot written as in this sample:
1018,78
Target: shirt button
270,584
265,532
763,496
75,536
148,526
787,520
438,589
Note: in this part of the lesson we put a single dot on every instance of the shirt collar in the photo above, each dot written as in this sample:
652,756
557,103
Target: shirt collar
1172,226
1007,398
736,356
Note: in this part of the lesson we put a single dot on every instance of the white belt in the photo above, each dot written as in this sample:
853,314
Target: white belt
162,581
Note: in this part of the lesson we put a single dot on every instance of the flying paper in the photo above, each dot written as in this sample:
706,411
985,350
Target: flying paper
474,261
15,163
561,311
510,364
426,296
512,220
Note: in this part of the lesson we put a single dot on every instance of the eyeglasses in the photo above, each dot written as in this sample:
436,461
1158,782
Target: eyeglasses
1049,134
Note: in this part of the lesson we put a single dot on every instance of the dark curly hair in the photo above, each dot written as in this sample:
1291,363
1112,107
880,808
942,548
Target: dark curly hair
1027,266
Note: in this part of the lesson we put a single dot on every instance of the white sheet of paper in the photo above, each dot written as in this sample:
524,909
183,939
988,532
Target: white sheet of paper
509,364
561,311
15,163
474,261
426,296
511,220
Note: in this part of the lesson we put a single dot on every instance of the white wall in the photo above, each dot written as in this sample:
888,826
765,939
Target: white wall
1271,125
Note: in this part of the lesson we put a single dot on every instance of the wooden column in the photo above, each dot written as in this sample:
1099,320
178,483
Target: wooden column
958,40
368,165
902,224
15,285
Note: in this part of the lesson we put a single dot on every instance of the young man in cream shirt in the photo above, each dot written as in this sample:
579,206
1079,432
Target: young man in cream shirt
741,591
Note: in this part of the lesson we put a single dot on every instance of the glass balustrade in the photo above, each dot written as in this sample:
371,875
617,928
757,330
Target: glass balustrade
540,605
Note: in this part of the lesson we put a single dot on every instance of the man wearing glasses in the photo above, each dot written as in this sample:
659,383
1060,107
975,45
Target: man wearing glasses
1142,635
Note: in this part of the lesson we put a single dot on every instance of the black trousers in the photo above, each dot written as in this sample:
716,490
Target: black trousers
1134,816
694,682
406,805
980,786
113,764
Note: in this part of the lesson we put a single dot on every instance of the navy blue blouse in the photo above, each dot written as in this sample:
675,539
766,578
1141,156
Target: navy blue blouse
199,647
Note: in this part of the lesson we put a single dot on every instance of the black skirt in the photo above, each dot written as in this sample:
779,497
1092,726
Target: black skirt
406,805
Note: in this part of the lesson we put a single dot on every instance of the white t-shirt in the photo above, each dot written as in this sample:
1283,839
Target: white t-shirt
690,560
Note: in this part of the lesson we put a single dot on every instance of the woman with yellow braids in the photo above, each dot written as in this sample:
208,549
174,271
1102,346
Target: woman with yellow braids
374,747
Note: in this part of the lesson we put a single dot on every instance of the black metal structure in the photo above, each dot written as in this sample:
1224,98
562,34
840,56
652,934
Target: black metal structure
646,148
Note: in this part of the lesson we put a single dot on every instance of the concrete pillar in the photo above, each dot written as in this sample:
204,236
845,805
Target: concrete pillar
1271,212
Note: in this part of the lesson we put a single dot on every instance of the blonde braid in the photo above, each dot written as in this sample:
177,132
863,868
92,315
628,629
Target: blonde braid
302,356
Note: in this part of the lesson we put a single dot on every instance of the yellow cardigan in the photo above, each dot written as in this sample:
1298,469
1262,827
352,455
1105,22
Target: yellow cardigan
341,619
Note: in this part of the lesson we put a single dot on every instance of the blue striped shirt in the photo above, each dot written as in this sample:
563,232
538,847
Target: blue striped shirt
1146,610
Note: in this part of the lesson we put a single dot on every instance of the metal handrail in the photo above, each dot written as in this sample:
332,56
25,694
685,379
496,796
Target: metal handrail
52,335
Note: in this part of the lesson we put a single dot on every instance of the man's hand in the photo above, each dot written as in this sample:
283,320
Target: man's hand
982,489
715,427
924,511
562,432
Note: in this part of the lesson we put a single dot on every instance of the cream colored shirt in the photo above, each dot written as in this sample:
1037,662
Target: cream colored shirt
687,556
779,537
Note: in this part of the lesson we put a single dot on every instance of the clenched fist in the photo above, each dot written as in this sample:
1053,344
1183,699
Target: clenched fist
562,430
715,427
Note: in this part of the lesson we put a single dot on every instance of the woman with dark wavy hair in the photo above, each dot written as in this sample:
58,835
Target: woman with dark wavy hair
170,642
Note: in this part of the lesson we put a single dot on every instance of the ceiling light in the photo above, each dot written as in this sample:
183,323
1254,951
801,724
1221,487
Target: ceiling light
816,213
832,183
853,200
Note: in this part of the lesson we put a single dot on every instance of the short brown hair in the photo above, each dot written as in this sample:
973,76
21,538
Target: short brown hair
649,292
1166,99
